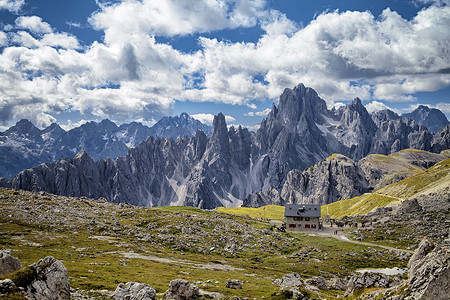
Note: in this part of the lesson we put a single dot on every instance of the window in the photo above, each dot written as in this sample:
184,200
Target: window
306,225
307,219
298,218
313,225
292,226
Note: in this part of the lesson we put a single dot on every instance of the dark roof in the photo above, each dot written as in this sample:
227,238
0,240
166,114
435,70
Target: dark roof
302,210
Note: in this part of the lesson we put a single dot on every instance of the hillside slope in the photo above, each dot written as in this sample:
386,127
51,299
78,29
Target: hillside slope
430,187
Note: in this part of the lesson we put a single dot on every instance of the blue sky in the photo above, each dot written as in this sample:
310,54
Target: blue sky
72,61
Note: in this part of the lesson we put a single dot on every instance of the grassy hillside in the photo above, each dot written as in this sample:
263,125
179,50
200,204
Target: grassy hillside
436,177
272,212
417,183
102,244
356,206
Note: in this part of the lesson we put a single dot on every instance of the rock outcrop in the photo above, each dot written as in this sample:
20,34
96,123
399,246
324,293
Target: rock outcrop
180,289
134,291
50,280
367,280
8,263
441,140
335,178
234,284
428,276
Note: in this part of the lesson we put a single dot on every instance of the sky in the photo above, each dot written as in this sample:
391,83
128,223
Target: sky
73,61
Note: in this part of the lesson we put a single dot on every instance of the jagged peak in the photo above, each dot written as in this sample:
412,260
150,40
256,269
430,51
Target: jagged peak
219,124
423,107
184,115
82,155
356,101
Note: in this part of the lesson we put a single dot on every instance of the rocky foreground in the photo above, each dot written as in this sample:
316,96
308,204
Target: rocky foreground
81,248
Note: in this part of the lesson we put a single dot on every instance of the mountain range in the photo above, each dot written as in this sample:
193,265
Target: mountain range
24,146
223,169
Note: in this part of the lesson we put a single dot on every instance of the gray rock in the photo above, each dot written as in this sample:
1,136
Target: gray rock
429,272
441,140
337,284
317,281
234,284
8,263
367,280
180,289
7,286
51,281
290,280
335,178
134,291
425,247
410,206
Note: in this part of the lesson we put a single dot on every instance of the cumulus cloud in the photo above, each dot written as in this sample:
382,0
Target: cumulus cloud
70,124
3,39
174,17
258,113
377,106
209,118
130,75
12,5
34,24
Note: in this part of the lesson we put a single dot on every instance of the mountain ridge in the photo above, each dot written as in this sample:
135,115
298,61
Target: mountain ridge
232,163
30,146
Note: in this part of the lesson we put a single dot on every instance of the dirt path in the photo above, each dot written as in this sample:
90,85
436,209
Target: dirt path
344,238
329,231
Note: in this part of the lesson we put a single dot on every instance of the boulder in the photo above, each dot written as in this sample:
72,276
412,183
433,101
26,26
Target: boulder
7,286
409,206
337,284
317,281
180,289
49,280
289,280
234,284
8,263
367,280
429,274
134,291
425,247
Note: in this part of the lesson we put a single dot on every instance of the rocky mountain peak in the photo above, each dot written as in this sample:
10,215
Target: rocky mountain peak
219,125
82,155
24,126
384,115
300,103
431,118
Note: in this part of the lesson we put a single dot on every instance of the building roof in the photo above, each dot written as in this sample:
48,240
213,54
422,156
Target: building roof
302,210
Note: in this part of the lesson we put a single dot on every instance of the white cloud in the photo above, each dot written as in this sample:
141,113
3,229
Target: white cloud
444,107
12,5
63,40
259,113
71,125
209,118
34,24
131,76
3,39
172,17
377,106
254,127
